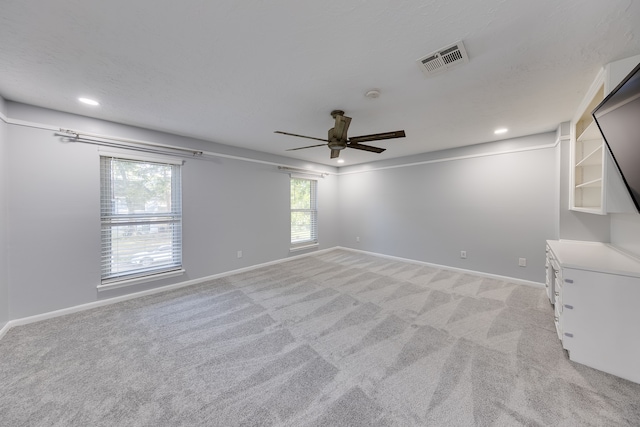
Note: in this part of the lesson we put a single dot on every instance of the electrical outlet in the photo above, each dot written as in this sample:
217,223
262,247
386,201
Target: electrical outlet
463,254
522,262
357,239
239,254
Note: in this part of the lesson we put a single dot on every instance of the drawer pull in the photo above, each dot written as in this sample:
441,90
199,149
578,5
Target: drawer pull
568,280
570,307
567,334
555,318
557,294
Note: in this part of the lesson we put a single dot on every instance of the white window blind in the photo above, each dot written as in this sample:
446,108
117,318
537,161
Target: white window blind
304,213
141,218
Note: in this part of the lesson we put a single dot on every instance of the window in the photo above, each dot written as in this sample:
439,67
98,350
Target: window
304,214
141,217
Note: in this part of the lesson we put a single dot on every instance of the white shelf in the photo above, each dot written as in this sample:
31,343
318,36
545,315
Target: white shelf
590,133
591,184
592,159
596,210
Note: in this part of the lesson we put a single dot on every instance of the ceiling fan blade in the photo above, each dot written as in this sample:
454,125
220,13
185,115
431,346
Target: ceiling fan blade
300,136
365,147
308,146
378,136
335,153
341,127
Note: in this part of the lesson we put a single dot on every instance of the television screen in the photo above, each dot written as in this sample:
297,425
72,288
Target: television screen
618,117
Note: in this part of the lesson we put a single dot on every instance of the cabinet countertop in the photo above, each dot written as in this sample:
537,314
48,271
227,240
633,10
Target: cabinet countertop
594,256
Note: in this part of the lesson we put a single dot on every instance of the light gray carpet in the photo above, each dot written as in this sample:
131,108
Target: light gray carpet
335,339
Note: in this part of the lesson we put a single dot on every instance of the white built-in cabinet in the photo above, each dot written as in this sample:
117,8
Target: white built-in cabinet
596,184
595,290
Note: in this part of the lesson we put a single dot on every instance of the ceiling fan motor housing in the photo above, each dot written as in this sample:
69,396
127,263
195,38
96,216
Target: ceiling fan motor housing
334,142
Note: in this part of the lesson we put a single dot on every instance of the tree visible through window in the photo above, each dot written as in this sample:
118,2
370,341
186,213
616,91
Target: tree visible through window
141,216
304,228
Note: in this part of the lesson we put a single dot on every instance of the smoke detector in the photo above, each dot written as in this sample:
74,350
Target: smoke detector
372,94
443,59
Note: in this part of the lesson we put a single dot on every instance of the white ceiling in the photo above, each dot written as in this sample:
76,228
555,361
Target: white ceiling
233,71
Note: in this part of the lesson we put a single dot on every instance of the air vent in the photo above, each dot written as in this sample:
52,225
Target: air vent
443,59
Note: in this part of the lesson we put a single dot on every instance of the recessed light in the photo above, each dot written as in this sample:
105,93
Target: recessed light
89,101
500,131
340,160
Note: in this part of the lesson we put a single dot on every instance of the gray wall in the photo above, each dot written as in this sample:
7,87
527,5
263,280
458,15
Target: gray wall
625,232
54,232
4,251
496,207
497,201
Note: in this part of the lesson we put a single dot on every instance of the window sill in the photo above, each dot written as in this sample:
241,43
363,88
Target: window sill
303,248
143,279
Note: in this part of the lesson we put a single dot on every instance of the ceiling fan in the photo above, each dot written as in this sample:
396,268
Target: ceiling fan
338,140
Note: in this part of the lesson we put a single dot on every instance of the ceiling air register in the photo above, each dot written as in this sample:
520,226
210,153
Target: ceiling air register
443,59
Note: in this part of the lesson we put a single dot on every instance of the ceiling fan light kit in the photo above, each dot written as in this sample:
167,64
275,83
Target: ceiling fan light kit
338,140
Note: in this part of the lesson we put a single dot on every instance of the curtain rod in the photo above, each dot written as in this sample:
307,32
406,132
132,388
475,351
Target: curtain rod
83,136
153,147
304,171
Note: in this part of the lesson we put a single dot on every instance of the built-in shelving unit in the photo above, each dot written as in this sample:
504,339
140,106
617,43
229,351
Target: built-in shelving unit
588,156
596,185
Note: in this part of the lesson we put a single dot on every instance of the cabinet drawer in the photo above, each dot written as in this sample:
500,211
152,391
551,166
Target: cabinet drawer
556,321
557,318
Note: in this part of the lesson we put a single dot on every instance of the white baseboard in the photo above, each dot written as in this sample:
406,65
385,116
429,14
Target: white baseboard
5,329
445,267
95,304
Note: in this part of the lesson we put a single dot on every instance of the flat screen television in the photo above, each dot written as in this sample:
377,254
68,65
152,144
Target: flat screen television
618,117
